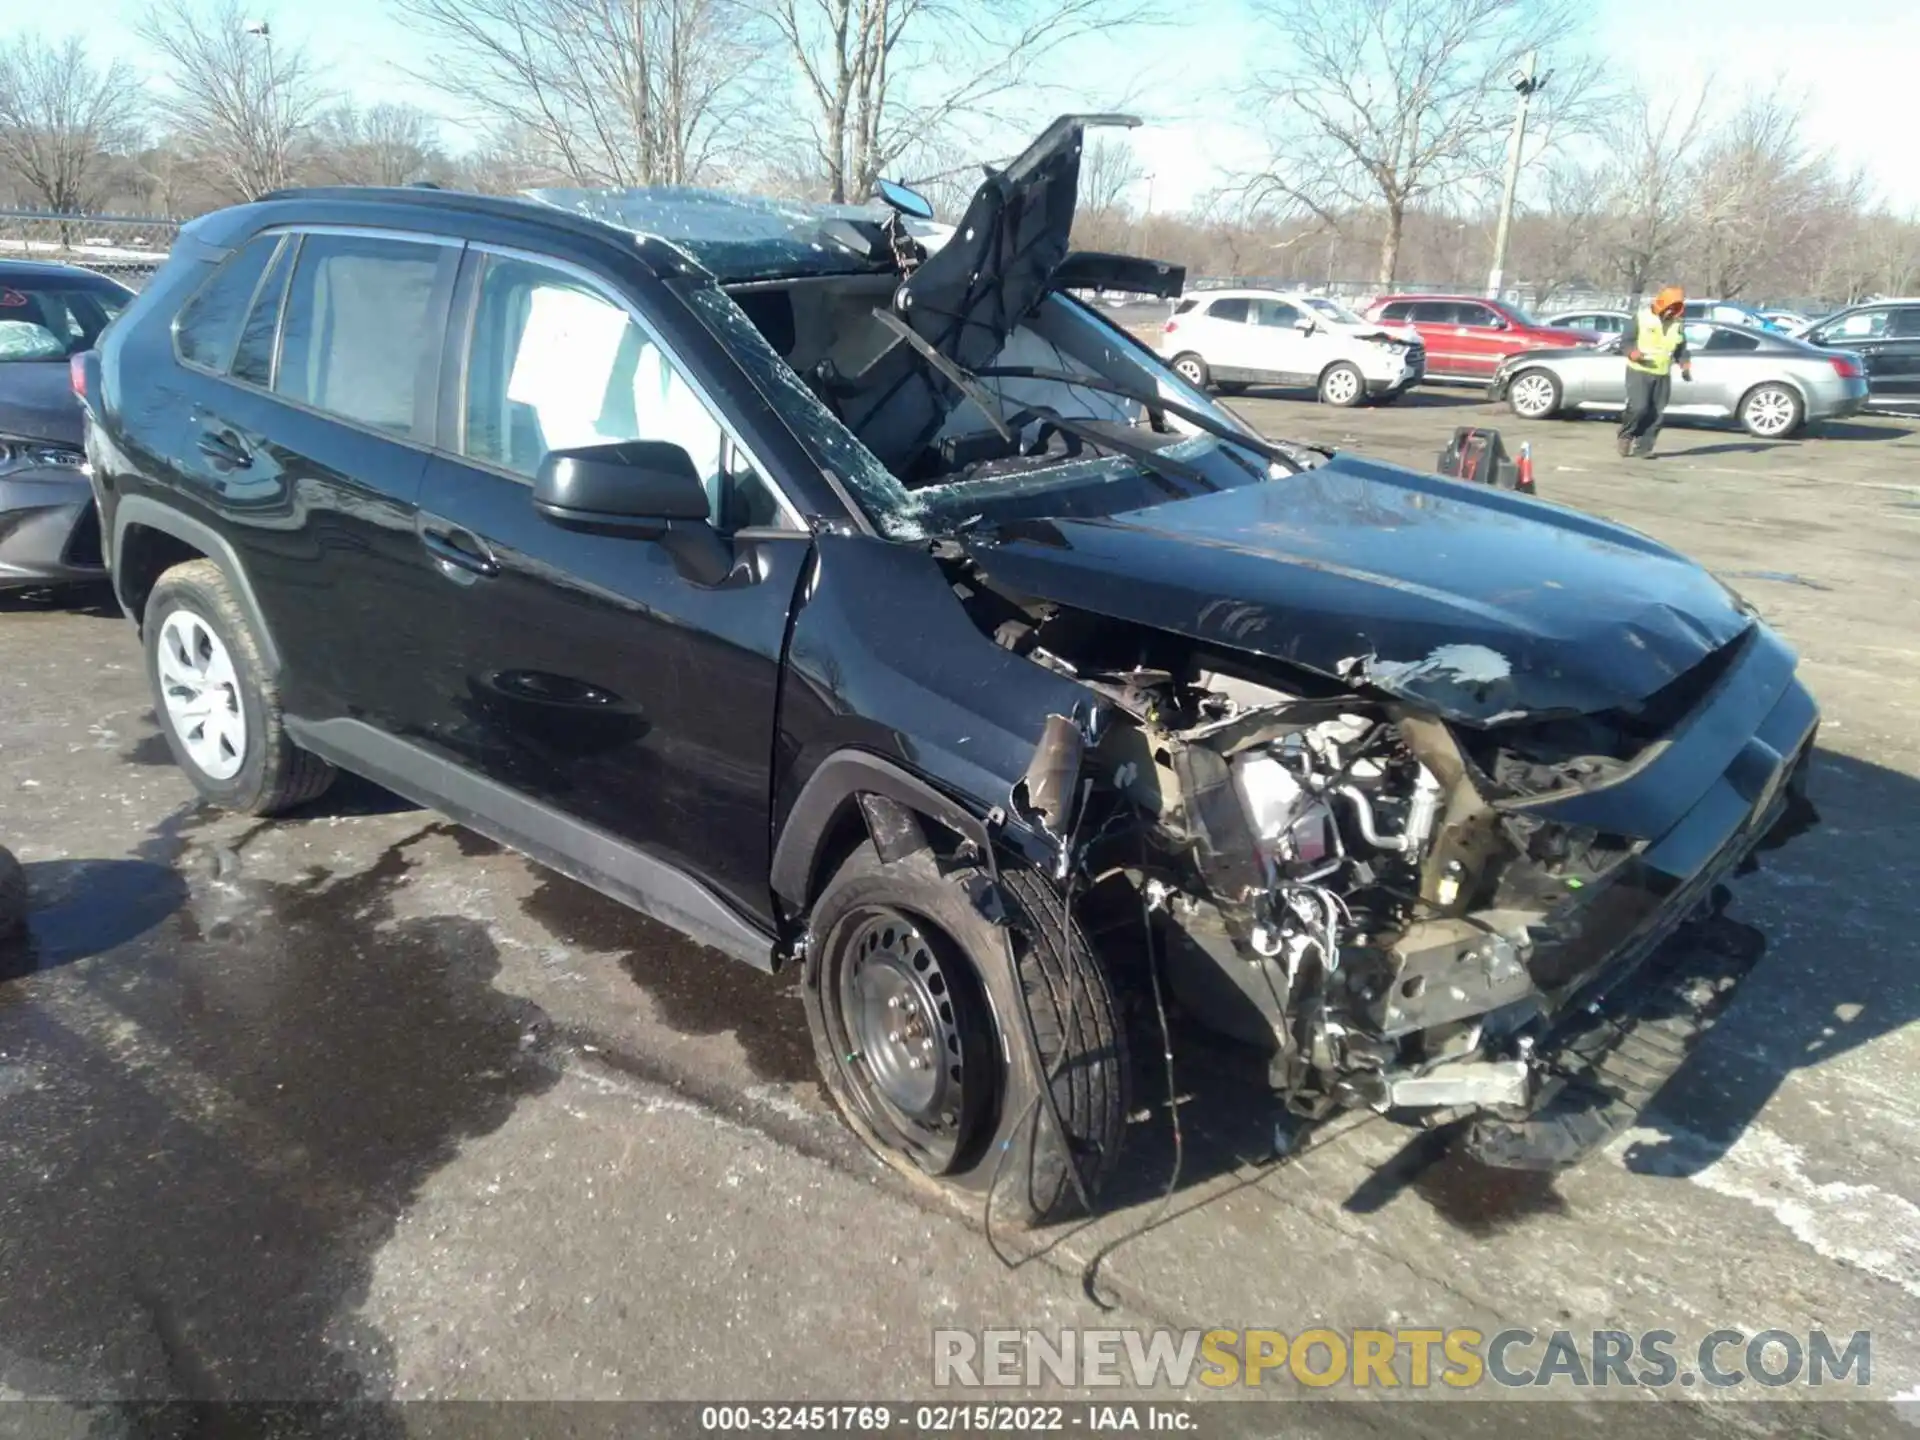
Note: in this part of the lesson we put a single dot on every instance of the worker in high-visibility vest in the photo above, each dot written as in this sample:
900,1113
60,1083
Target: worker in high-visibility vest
1657,343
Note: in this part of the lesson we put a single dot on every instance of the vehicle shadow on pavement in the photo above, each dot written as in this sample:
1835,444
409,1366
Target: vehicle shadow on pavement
1836,974
1842,966
217,1125
78,908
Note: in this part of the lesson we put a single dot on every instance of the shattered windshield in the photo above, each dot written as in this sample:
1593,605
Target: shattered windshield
1083,486
890,504
736,237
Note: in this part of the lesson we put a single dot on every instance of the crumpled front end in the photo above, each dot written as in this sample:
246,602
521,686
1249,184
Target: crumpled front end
1412,914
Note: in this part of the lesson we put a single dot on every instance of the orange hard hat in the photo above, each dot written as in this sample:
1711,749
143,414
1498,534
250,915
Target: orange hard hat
1669,299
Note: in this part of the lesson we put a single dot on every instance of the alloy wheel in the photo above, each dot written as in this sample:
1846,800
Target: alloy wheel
1191,371
1770,411
201,694
1532,396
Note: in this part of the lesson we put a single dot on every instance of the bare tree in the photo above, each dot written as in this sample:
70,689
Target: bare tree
617,92
1108,172
385,144
1649,196
1383,103
240,97
882,76
61,116
1759,193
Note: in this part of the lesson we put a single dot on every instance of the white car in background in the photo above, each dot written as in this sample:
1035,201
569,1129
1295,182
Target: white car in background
1231,339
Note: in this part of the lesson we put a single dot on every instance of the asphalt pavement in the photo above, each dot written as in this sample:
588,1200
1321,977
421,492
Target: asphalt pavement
355,1104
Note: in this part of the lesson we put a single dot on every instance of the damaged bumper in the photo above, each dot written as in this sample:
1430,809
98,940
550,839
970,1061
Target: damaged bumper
1405,933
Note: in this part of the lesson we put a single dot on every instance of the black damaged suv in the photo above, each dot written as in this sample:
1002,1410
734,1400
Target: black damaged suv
836,587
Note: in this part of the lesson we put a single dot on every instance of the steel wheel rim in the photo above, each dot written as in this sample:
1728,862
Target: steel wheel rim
900,1034
200,692
1342,385
1533,395
1189,371
1770,412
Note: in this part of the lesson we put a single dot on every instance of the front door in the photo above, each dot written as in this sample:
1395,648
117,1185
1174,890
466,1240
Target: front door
598,674
1870,335
1485,339
1283,349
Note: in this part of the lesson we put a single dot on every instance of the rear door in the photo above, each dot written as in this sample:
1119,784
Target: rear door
310,369
1226,340
1440,327
592,673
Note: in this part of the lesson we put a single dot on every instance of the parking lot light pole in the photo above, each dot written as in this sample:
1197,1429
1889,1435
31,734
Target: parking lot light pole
264,31
1527,85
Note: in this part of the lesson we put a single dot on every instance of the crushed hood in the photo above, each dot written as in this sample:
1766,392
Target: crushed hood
1478,604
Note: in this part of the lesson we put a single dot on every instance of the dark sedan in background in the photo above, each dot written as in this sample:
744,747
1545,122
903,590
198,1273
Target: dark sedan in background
1885,334
49,534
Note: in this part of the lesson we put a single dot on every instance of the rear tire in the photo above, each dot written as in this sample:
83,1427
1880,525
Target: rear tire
906,968
217,705
1192,369
1343,385
1772,411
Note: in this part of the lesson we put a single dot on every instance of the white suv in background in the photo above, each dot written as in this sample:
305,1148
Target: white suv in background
1234,338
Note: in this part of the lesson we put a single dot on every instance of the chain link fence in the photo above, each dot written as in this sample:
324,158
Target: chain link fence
127,247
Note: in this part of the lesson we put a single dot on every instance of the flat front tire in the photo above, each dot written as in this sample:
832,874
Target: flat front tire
918,1026
217,705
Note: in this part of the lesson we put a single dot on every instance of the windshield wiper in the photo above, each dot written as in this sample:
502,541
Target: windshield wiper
967,383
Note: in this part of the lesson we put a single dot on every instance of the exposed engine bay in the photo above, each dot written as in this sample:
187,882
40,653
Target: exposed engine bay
1332,877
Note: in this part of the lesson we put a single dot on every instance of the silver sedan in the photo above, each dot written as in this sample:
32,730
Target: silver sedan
1771,383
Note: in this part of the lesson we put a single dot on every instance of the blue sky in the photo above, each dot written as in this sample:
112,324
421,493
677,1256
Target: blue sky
1852,62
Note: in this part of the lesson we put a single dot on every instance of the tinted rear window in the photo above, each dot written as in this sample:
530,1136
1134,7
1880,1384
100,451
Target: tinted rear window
1235,309
357,332
209,323
51,318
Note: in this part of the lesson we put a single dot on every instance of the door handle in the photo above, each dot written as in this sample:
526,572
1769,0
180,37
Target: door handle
225,448
462,549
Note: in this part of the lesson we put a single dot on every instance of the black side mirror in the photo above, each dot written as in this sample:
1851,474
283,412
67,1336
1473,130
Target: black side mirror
641,489
629,487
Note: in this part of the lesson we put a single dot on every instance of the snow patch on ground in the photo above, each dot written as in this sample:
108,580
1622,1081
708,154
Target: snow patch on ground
1862,1226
